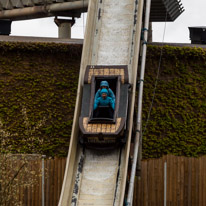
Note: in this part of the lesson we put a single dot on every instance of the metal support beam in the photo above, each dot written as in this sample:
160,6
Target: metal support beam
45,11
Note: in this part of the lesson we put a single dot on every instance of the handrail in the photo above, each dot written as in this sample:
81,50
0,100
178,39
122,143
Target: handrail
139,113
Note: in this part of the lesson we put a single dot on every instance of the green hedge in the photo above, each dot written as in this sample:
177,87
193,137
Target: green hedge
38,83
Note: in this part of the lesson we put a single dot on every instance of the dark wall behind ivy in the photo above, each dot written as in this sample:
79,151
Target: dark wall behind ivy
38,83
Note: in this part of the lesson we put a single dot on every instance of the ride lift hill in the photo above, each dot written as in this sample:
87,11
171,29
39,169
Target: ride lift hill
115,42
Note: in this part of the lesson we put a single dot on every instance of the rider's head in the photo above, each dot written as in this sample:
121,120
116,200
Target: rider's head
104,84
104,93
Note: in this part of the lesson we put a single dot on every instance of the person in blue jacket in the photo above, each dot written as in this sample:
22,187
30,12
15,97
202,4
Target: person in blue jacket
104,100
105,85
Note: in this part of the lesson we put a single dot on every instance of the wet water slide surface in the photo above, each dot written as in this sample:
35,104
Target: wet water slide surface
112,36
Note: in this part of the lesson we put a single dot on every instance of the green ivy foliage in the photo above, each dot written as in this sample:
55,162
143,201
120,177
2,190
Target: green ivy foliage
38,83
178,116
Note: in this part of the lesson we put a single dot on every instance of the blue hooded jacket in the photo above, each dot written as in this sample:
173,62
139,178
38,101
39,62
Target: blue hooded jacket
108,101
110,92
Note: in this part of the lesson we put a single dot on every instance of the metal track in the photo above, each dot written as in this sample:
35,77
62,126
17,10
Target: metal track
112,38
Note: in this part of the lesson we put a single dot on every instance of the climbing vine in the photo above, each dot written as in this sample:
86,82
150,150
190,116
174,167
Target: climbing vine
178,116
38,85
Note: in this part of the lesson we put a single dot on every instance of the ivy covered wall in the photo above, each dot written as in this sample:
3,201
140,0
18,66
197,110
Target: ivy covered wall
38,83
178,117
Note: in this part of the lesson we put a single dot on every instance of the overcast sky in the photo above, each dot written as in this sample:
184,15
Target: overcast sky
194,15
